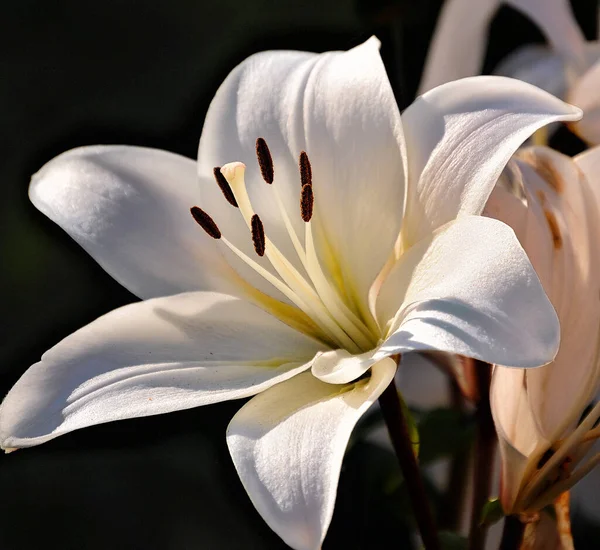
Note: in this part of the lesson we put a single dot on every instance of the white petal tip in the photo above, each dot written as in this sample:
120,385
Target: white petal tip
233,171
374,41
575,113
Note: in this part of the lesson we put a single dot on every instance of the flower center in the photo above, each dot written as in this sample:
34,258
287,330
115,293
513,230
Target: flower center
312,291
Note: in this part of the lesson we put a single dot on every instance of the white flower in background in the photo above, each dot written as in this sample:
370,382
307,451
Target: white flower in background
553,204
568,67
285,293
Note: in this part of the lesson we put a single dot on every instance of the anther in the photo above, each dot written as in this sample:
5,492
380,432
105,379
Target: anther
205,222
305,169
258,235
307,201
224,186
265,160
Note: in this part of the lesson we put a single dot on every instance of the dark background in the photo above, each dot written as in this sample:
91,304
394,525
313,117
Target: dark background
79,72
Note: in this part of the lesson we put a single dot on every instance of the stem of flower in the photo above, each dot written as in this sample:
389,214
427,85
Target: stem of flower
512,533
400,437
453,503
562,507
485,447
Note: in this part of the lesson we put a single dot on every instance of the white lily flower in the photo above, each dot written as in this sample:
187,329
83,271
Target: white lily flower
569,67
553,204
295,300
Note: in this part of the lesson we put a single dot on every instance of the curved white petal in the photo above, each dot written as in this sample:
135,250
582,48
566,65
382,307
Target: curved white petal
459,42
556,20
460,39
508,202
584,94
288,443
469,290
517,433
152,357
459,137
339,108
539,66
129,207
340,366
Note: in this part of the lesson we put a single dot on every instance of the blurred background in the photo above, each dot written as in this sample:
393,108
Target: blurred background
80,72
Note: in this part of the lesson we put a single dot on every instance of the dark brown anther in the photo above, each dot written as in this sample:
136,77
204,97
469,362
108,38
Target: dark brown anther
205,222
307,200
265,160
258,235
305,169
224,186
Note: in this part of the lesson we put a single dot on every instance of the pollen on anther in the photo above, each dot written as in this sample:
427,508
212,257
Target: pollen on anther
224,186
307,201
205,222
265,160
305,169
258,235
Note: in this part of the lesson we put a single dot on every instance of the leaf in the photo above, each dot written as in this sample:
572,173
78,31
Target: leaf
372,420
413,430
492,512
453,541
444,432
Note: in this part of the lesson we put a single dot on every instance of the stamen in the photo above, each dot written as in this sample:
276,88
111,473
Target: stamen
205,222
566,483
265,160
346,318
305,169
224,186
305,295
258,235
545,458
571,442
307,201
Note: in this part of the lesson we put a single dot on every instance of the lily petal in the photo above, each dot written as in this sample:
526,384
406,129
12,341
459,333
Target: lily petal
339,366
539,66
517,433
508,202
470,290
584,94
589,164
556,20
152,357
561,242
288,443
129,208
459,137
339,107
458,45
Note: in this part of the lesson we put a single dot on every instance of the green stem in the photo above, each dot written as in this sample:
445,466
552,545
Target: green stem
400,437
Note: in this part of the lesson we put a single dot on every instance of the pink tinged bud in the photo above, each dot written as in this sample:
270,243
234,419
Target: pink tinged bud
548,201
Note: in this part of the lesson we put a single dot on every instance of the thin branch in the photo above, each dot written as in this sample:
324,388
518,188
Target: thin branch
485,450
512,533
400,437
453,502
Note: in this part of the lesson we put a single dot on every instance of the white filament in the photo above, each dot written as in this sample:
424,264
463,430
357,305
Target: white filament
321,303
